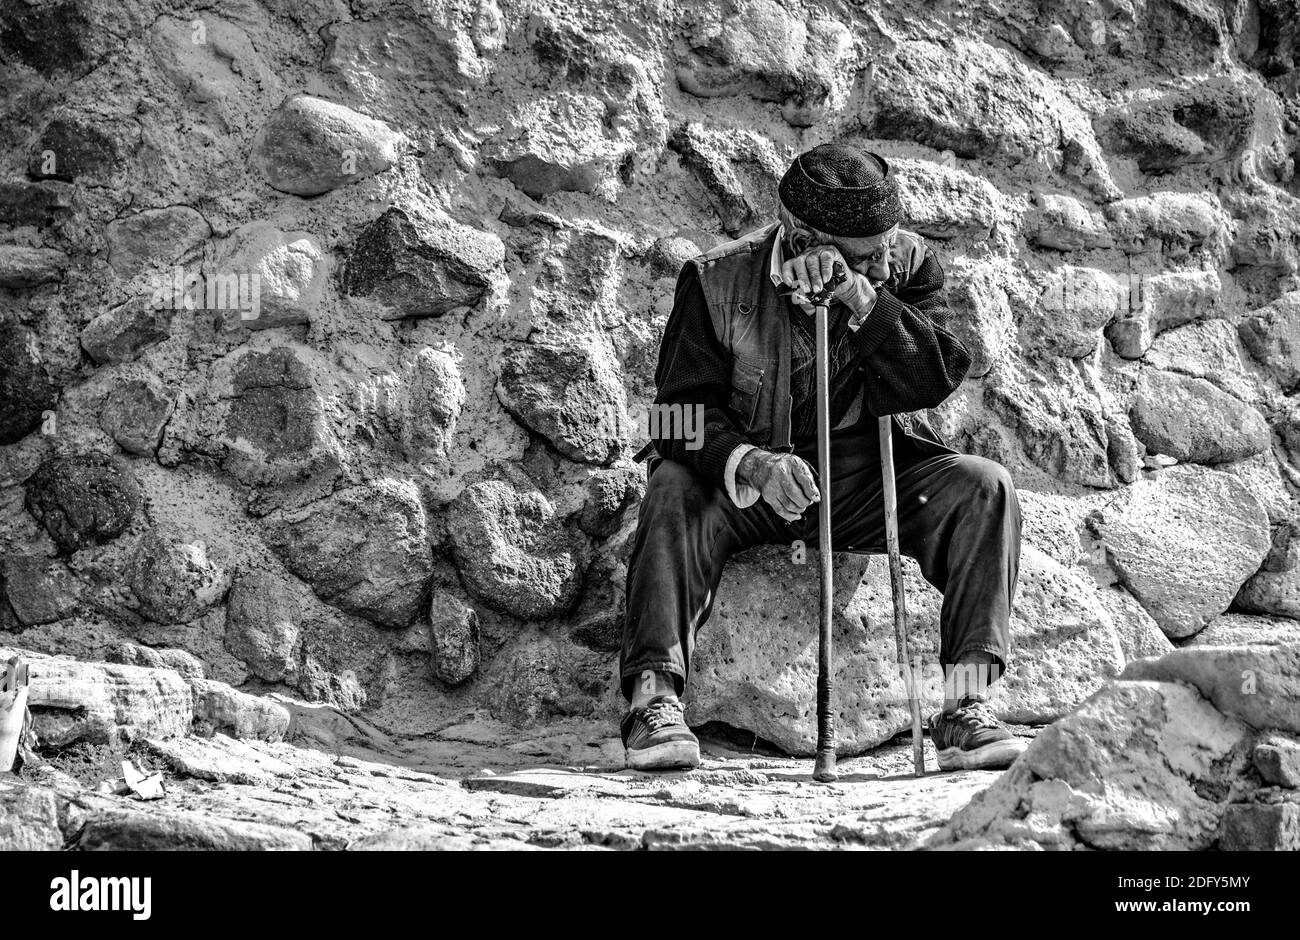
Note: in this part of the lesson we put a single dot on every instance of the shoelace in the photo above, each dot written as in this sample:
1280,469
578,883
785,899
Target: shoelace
976,715
664,712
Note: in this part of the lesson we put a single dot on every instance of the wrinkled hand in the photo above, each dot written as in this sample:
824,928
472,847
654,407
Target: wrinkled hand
814,269
786,482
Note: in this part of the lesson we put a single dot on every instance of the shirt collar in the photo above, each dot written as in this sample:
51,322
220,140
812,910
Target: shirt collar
778,257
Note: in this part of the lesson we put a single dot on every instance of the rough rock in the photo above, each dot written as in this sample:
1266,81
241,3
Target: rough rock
415,265
39,590
979,102
1253,827
144,831
1167,758
945,203
26,391
512,552
218,707
1070,312
330,544
290,270
29,820
1258,684
83,499
755,662
135,413
21,266
1054,418
770,53
98,702
121,334
1272,334
309,146
174,578
262,624
570,394
154,237
1183,541
737,171
1191,420
1163,302
1065,224
1176,222
558,143
609,496
453,638
419,404
133,654
1278,762
1235,629
75,151
1210,350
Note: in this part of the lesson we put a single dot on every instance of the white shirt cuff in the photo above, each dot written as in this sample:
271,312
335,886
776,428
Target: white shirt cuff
743,495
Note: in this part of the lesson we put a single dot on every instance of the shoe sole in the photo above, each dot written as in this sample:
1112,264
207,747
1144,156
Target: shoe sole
666,756
996,756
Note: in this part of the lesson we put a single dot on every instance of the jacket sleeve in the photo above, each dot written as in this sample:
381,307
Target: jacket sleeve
694,372
911,359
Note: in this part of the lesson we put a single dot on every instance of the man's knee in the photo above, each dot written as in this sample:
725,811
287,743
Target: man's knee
675,488
987,479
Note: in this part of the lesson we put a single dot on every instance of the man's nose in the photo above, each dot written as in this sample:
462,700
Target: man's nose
878,270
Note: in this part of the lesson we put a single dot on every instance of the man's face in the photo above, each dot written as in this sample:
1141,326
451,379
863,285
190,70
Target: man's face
869,256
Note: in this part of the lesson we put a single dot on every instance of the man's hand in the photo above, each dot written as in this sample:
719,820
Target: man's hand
785,481
814,269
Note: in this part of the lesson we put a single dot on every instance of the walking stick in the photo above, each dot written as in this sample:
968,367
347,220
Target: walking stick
824,765
896,582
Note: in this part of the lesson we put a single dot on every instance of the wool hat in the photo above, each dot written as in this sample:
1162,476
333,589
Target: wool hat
841,190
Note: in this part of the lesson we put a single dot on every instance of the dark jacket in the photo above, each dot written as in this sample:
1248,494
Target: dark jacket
727,347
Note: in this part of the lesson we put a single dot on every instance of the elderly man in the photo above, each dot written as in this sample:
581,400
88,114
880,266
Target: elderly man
739,344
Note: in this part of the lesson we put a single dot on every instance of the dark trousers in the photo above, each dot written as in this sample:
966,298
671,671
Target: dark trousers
958,516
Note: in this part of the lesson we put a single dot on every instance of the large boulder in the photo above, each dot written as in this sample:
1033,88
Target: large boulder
1070,312
415,264
512,551
1065,224
1171,222
738,172
124,332
309,146
419,404
364,549
1143,765
1189,419
1183,541
755,661
26,391
945,202
83,499
570,393
75,151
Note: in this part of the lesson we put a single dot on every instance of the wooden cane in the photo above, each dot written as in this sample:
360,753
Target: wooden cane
896,582
824,765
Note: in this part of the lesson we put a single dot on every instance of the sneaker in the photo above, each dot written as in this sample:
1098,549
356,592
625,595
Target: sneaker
972,738
656,736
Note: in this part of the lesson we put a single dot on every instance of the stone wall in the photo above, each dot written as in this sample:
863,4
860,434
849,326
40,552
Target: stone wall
325,328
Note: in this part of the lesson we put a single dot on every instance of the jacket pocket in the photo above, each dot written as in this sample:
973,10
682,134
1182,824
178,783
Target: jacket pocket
746,385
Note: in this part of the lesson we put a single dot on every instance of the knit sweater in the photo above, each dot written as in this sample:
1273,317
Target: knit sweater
909,358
